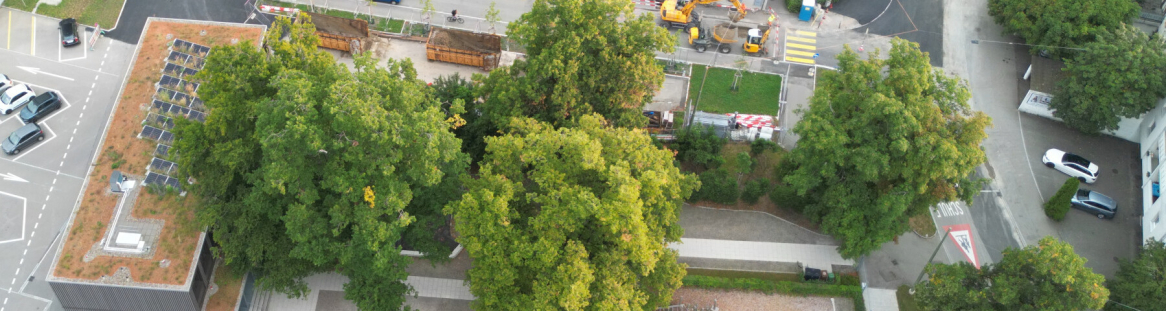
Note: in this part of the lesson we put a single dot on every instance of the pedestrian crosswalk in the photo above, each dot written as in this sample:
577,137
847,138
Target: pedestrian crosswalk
800,46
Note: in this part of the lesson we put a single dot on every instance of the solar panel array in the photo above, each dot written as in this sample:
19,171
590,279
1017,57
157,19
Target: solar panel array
173,97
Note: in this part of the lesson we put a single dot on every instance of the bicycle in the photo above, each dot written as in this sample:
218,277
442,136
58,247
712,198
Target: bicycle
457,19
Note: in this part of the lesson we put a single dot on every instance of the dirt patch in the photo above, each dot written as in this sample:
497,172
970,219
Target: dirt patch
339,26
229,286
747,300
464,40
179,236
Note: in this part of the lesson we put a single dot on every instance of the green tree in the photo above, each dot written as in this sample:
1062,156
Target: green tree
883,140
453,90
583,56
304,166
1054,25
1059,204
1119,75
717,185
492,17
699,145
574,218
1141,283
1048,276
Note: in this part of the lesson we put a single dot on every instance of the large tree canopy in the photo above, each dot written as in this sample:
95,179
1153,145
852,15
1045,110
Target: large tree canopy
1048,276
882,141
304,166
1057,24
583,56
1119,75
1141,283
572,219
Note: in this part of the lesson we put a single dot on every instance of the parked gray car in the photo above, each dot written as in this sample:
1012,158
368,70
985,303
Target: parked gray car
23,138
1095,203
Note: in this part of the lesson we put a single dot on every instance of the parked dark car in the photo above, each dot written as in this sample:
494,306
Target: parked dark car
1094,203
40,107
69,36
22,138
388,1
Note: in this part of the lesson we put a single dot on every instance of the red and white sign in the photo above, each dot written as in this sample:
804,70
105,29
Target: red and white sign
961,235
753,120
277,9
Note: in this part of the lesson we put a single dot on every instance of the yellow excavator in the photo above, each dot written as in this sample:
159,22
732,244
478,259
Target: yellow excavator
679,13
724,35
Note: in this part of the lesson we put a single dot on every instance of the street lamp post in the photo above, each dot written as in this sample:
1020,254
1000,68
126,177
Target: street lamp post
920,278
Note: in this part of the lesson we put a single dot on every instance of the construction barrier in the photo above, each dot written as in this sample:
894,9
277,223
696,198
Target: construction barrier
277,9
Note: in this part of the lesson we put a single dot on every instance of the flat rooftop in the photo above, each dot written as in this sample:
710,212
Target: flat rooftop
146,235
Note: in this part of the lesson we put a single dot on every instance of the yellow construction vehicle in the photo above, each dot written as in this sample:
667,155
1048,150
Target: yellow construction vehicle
755,40
679,14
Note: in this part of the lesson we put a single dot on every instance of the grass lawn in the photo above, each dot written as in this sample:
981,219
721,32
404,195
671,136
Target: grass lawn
763,164
341,14
906,300
87,12
791,277
756,94
23,5
388,25
923,224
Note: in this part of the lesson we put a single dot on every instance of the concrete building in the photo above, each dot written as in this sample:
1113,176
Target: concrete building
1153,153
129,250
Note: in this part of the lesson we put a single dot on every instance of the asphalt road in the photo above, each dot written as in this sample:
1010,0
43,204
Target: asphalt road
919,21
42,184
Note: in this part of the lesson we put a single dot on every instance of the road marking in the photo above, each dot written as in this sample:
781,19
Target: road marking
800,60
806,40
23,217
806,33
800,53
36,71
32,50
9,46
801,46
12,177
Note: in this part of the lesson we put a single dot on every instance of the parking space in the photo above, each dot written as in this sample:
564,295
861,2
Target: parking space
1100,241
42,183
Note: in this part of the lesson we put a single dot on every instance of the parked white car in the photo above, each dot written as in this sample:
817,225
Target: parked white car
1072,165
5,83
15,97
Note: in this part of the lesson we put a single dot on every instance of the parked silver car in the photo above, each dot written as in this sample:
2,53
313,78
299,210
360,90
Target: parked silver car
1094,203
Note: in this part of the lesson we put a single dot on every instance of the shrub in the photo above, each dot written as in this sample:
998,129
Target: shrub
761,145
793,6
787,197
754,189
1058,205
699,145
848,279
716,186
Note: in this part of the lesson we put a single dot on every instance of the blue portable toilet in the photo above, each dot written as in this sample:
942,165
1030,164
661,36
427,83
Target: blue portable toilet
807,10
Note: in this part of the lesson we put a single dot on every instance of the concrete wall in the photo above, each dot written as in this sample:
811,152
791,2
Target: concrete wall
1153,145
85,296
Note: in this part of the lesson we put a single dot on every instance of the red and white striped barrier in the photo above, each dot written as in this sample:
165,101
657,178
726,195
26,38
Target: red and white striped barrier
651,3
753,120
277,9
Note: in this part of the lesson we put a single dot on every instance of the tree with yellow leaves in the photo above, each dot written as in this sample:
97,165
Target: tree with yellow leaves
1048,276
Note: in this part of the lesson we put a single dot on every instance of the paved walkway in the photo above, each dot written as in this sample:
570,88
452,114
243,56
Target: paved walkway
879,299
817,256
327,290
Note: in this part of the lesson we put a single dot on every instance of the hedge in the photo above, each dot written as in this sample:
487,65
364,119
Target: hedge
754,190
1059,204
778,287
717,186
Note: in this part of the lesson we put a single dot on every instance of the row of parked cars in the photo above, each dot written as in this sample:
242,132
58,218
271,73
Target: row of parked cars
32,108
1087,172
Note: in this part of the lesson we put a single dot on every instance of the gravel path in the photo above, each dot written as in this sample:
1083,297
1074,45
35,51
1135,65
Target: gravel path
746,300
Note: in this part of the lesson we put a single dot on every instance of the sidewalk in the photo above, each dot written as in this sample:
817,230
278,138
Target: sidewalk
327,293
816,256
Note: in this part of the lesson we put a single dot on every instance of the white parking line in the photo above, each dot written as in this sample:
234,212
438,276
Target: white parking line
23,217
86,51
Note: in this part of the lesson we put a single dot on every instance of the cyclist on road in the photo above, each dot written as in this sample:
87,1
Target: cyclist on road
454,13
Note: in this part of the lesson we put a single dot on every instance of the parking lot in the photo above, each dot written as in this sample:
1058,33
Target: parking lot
1100,241
40,186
